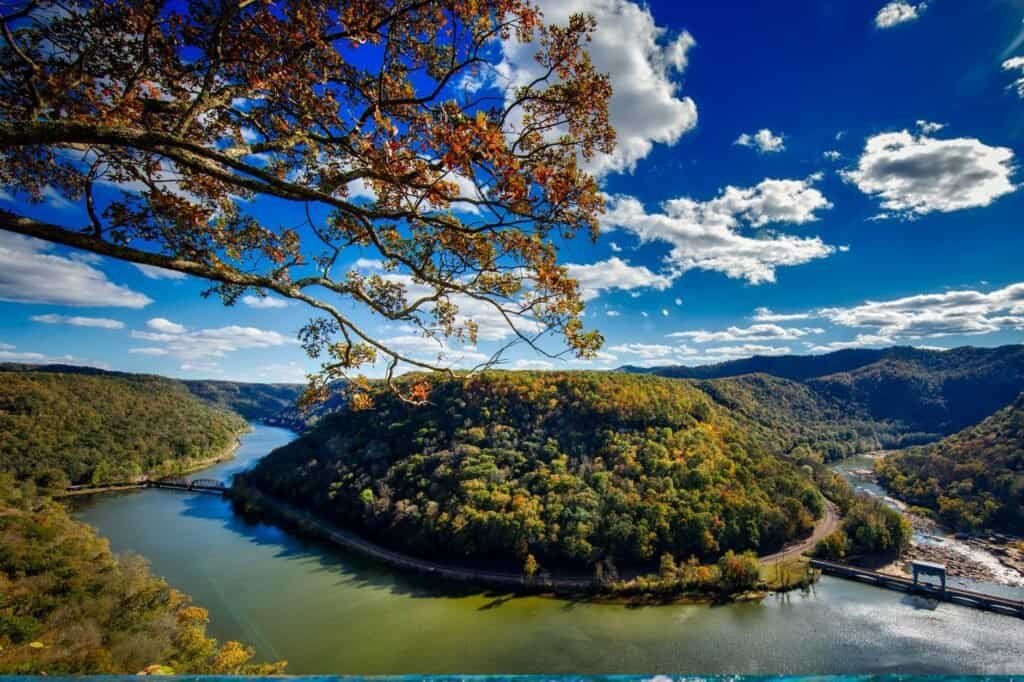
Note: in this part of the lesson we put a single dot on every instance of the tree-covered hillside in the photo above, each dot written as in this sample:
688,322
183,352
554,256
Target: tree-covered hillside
796,420
67,606
973,479
96,428
902,395
569,468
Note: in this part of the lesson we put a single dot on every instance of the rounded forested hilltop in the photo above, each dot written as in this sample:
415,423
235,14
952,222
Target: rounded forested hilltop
567,468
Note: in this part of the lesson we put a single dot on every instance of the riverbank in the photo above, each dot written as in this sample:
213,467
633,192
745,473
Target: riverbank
782,574
226,455
988,558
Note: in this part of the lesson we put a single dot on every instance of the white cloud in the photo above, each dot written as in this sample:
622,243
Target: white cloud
368,264
764,140
679,301
613,313
436,351
832,154
533,364
264,302
151,350
76,321
9,353
767,315
1016,64
664,312
203,344
615,274
919,175
899,12
153,272
929,127
961,312
162,324
861,341
615,247
756,332
705,234
653,351
29,273
725,353
641,60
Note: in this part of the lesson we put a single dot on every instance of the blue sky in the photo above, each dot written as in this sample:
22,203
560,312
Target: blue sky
793,178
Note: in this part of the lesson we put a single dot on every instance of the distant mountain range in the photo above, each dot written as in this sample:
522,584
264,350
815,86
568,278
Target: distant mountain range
916,395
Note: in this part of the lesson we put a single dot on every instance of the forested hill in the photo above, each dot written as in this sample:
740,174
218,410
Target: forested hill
973,479
59,428
570,468
912,395
273,403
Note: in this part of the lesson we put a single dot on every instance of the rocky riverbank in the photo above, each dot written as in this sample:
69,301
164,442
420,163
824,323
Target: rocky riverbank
993,557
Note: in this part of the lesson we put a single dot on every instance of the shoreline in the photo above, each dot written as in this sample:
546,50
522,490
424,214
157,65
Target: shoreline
563,586
979,557
227,453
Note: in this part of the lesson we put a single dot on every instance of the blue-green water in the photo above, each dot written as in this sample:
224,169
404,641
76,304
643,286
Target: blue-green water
327,611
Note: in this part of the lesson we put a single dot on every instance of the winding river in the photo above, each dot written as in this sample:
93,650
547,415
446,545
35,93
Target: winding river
327,611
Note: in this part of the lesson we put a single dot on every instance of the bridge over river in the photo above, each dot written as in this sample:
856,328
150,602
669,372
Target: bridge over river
201,485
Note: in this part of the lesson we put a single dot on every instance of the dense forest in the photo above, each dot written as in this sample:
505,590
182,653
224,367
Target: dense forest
564,469
906,395
67,606
973,479
94,428
796,420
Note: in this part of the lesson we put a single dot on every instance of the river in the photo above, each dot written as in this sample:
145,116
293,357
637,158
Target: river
327,611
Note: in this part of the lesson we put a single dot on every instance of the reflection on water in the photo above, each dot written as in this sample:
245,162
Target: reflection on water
327,611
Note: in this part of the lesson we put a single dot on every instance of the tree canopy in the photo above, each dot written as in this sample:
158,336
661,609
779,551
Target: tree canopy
168,122
573,469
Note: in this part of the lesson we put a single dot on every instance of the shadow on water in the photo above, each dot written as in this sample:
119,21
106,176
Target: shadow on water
351,569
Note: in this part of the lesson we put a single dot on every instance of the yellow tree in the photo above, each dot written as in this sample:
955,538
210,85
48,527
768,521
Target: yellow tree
168,121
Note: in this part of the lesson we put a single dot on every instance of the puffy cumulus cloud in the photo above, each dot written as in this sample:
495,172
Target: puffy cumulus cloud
641,59
653,354
706,234
916,175
962,312
768,315
202,344
756,332
899,12
764,141
1016,64
162,324
652,351
264,302
615,274
928,127
860,341
77,321
31,273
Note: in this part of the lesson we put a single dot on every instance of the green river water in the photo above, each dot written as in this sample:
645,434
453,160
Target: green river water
327,611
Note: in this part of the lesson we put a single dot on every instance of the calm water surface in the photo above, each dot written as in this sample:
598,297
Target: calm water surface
327,611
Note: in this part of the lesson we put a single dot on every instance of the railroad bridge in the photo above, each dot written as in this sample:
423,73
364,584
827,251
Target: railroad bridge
200,485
